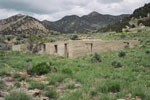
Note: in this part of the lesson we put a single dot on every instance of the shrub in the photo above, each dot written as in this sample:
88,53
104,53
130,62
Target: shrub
51,93
126,46
147,51
29,71
2,84
4,72
139,92
103,88
139,30
122,36
36,85
16,75
122,54
1,81
42,68
93,92
105,97
28,60
75,95
56,78
74,37
96,58
18,96
52,40
116,64
22,78
70,86
17,84
113,86
67,70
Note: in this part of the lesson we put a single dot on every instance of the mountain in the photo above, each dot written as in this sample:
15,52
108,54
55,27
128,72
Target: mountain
22,24
140,16
86,23
70,24
100,20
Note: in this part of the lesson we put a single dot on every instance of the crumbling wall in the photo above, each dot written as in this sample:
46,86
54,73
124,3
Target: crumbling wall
21,47
80,48
77,48
59,48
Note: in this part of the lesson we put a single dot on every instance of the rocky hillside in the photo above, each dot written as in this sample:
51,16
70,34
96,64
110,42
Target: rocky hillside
140,16
22,24
86,23
70,24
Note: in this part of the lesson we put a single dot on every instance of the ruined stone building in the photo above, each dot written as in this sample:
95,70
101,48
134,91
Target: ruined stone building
77,48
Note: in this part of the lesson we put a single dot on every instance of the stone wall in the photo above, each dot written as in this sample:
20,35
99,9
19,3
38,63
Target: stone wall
77,48
82,48
21,47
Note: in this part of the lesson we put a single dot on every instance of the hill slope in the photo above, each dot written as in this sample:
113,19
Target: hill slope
140,14
22,24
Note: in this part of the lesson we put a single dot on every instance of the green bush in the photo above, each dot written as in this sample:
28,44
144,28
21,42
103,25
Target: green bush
56,78
74,37
42,68
36,85
29,71
122,36
52,40
139,92
75,95
2,84
96,58
28,60
116,64
147,51
51,93
4,72
113,86
18,96
16,75
67,70
70,86
17,84
22,78
93,92
122,54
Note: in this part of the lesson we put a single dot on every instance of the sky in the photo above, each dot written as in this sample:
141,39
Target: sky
53,10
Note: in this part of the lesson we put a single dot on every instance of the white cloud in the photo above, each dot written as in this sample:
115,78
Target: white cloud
56,9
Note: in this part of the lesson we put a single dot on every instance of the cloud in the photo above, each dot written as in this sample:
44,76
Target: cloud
110,1
26,6
56,9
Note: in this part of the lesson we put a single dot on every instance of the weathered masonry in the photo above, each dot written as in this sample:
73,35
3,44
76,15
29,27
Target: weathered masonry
77,48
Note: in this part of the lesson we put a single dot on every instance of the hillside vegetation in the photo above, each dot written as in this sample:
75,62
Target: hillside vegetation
138,13
101,76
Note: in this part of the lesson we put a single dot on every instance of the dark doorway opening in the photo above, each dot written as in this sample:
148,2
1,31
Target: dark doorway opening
90,46
56,48
66,50
44,47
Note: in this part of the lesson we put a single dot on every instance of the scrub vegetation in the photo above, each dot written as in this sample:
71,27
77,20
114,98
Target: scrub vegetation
101,76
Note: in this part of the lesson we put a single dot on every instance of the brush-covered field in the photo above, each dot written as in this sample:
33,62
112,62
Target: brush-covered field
102,76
